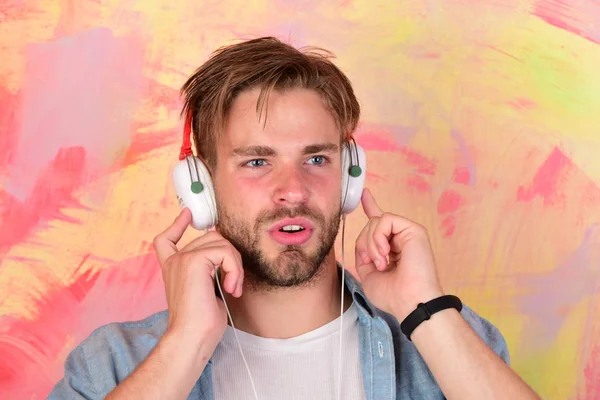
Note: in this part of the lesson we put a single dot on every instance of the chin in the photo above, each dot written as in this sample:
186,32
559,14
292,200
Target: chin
290,266
285,254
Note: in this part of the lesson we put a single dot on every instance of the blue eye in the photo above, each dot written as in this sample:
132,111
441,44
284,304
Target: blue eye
318,160
259,162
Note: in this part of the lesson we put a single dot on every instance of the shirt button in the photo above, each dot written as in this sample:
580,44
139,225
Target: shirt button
380,347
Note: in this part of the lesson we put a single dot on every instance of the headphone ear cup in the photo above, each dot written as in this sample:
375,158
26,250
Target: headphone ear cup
195,191
352,186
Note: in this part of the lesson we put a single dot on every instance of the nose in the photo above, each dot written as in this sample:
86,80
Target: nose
290,187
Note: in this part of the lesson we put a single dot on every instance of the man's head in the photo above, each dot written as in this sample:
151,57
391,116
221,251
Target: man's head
269,121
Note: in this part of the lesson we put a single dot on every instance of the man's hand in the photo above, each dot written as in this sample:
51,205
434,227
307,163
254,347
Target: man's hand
195,313
396,265
394,261
197,318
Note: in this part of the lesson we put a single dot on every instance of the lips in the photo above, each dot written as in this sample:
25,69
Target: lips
291,231
303,222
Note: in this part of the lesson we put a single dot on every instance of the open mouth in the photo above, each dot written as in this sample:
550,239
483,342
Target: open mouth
291,228
294,231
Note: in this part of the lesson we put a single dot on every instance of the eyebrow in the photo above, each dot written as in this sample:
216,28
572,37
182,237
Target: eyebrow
265,151
253,151
321,148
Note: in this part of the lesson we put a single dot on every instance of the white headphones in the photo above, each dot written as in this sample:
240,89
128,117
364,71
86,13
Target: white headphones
194,188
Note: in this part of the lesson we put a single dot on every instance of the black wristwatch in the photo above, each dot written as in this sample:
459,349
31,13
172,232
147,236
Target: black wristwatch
424,311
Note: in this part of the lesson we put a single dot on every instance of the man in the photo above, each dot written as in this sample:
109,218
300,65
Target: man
270,121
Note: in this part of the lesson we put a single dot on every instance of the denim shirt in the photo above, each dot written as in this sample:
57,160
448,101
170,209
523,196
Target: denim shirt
392,368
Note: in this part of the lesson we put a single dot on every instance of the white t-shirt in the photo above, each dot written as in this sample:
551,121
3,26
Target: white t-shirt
303,368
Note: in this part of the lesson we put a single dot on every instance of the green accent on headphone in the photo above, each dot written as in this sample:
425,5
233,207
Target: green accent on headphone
197,187
355,171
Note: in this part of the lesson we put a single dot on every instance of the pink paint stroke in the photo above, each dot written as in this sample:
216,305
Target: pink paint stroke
546,180
79,91
467,158
448,226
591,372
375,141
449,202
418,183
32,354
461,175
421,164
394,136
53,191
9,125
78,115
575,16
522,103
375,178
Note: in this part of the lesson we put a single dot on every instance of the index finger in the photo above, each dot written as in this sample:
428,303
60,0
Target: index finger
165,243
369,204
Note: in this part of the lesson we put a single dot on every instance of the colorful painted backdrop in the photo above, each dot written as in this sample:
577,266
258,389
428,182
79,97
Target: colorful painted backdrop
481,120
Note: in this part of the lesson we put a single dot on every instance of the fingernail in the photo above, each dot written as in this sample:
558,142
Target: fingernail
377,262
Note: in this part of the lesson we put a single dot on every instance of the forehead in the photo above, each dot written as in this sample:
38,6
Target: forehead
290,119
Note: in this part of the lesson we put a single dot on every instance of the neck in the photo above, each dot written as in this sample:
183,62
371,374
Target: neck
290,312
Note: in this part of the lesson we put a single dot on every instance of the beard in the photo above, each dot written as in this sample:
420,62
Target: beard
294,265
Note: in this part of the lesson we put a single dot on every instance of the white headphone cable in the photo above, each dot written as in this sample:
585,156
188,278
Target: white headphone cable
234,331
342,310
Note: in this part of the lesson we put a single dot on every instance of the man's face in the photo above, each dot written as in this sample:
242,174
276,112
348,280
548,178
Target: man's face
278,185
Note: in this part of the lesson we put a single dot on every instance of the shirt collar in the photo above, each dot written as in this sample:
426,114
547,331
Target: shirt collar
364,306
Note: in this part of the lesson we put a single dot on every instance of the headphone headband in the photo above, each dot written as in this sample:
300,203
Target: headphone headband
186,145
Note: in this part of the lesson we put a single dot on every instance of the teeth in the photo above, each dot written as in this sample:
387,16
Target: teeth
292,228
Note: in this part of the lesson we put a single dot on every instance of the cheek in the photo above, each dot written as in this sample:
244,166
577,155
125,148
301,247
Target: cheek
229,196
326,189
250,193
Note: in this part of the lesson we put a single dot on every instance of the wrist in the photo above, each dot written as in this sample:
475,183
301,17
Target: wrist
190,348
425,311
404,307
441,323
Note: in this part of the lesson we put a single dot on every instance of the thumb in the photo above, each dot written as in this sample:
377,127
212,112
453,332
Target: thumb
369,204
165,243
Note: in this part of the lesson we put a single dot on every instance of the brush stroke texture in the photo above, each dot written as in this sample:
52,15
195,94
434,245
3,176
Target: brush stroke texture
480,121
